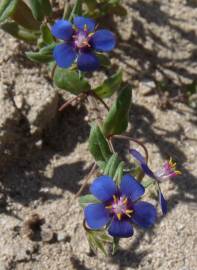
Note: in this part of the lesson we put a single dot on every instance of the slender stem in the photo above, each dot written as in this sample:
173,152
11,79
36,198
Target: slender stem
86,180
124,137
109,140
53,71
67,103
100,99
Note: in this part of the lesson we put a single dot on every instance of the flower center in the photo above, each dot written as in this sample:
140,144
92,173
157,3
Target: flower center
82,37
119,207
168,170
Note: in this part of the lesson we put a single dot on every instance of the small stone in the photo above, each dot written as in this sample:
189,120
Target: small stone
38,144
19,101
47,234
146,86
61,236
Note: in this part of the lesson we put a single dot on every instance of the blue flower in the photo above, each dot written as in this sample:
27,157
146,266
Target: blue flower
168,170
80,40
119,206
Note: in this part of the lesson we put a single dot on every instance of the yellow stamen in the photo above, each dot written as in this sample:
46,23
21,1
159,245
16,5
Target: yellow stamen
119,215
85,27
108,207
90,35
178,172
115,199
125,200
128,212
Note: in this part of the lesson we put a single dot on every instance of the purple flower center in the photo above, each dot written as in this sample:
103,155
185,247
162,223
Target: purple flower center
120,207
81,38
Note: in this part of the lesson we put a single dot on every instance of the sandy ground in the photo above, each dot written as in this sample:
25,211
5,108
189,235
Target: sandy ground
157,40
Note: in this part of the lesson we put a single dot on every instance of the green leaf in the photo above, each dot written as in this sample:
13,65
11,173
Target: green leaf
23,16
98,146
70,81
40,9
87,199
77,10
112,165
110,85
19,32
114,168
7,8
98,239
46,34
116,121
119,173
43,56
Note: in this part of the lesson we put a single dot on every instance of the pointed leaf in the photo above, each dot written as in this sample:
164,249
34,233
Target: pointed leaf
70,81
98,145
19,32
43,56
40,8
119,173
24,17
87,199
110,85
46,34
7,8
116,121
112,165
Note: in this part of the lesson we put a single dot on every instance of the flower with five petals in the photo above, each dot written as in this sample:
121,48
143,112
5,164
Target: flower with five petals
119,207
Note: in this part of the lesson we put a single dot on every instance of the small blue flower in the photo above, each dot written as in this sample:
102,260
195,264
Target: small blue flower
80,41
119,206
168,170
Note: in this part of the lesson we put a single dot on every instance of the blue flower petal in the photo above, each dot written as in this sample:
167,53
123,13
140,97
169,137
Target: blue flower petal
81,21
87,62
120,228
141,160
96,216
103,40
137,156
103,188
163,203
64,55
144,214
62,29
131,188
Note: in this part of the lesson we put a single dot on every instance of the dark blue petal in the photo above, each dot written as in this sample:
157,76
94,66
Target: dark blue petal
144,214
141,160
62,29
88,62
137,156
103,188
64,55
80,22
163,203
96,216
131,188
120,228
103,40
